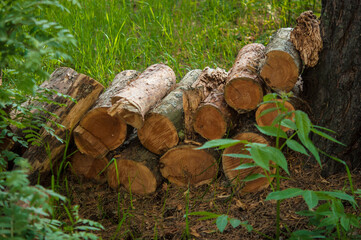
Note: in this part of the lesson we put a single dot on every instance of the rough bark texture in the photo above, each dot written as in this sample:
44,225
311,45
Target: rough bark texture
210,80
213,116
306,37
137,168
88,166
267,118
142,94
333,87
163,123
102,131
185,165
244,89
282,66
85,91
236,176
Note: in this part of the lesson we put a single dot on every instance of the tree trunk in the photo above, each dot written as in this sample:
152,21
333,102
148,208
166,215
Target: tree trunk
213,117
333,87
185,165
98,132
283,64
163,123
88,166
137,169
85,91
267,113
210,80
142,94
244,89
236,176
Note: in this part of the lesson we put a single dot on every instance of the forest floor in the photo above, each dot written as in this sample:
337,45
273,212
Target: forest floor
161,215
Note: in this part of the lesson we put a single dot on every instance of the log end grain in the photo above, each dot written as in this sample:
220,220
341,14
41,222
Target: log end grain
209,122
236,176
268,118
111,131
280,71
88,166
158,134
88,144
243,94
133,176
185,165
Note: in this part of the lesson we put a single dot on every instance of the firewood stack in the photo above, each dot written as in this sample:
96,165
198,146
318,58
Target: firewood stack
169,121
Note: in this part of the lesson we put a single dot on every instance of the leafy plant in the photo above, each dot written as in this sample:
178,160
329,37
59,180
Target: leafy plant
329,218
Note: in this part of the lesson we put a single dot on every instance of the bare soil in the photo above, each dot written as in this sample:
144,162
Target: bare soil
161,215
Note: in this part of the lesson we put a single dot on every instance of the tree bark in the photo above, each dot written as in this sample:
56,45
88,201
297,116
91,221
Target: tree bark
137,169
210,80
98,132
85,91
163,123
244,89
282,66
142,94
185,165
333,87
236,176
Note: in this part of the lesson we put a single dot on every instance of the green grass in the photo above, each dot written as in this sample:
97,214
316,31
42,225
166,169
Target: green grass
113,35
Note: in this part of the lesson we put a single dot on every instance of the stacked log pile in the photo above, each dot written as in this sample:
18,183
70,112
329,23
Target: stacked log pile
169,121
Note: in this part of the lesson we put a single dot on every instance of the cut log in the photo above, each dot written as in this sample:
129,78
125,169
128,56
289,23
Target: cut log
85,91
236,176
306,37
163,123
88,166
282,66
98,132
213,117
268,118
244,89
185,165
209,80
133,102
137,170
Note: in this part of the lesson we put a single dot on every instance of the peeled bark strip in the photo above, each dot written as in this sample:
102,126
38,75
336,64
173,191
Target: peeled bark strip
185,165
98,132
88,166
268,118
236,176
244,89
306,37
142,94
213,117
163,123
137,169
85,91
210,80
283,64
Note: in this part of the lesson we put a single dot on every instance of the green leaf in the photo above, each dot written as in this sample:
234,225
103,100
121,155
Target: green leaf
259,157
270,97
284,194
269,110
221,222
234,222
236,155
253,177
303,124
345,223
203,213
323,128
245,166
272,131
324,135
310,198
295,146
339,195
305,235
221,143
277,156
311,147
329,221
